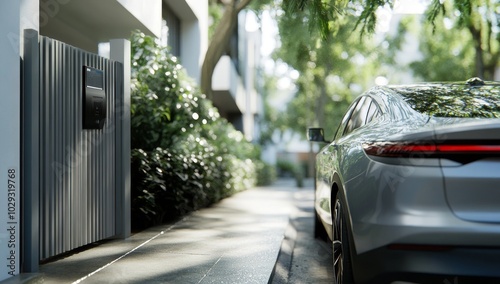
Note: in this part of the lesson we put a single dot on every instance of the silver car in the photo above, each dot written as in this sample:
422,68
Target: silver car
409,188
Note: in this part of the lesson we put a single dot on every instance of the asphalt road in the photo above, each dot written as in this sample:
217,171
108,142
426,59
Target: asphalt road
303,258
306,260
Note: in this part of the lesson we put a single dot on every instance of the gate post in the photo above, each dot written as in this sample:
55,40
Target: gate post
31,152
120,52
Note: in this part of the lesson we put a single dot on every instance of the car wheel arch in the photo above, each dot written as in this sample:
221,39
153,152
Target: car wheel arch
338,189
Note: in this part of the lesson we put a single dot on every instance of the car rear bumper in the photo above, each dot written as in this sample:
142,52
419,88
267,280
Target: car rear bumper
452,265
410,205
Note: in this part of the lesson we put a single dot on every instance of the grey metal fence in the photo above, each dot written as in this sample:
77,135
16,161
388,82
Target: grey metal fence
77,198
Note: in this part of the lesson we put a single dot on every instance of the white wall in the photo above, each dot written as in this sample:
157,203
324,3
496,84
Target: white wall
192,48
86,23
194,33
147,12
194,39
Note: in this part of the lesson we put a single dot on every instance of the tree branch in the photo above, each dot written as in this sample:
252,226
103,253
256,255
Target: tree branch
242,4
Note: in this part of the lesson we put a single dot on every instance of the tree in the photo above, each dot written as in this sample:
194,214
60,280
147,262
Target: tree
323,17
220,41
445,56
450,51
272,123
333,70
478,18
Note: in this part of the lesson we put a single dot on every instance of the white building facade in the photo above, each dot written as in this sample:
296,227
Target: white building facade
235,80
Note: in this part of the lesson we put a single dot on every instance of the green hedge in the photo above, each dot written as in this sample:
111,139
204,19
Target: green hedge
184,155
266,173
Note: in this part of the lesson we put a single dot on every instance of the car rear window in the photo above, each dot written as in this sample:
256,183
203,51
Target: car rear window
454,100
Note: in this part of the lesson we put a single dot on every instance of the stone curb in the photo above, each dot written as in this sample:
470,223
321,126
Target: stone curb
283,264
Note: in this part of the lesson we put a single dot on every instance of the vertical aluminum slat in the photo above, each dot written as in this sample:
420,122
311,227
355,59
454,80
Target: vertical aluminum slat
50,154
66,117
66,153
59,140
43,134
77,198
111,171
46,152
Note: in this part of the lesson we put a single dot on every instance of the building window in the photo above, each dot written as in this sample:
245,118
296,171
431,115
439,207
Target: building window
233,49
171,32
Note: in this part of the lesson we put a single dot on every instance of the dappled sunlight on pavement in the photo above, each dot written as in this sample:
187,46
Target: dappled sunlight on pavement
235,241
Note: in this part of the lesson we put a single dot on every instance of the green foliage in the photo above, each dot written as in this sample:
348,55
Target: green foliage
368,18
215,11
323,14
266,173
447,55
273,121
288,168
472,23
333,70
185,156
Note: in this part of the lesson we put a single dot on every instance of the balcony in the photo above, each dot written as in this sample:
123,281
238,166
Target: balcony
85,23
228,90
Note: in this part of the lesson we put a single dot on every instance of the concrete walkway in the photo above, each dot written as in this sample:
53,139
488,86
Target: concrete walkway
234,241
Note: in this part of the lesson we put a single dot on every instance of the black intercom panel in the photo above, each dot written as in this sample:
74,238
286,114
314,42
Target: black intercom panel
94,98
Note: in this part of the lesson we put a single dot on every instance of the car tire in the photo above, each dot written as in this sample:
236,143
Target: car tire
342,267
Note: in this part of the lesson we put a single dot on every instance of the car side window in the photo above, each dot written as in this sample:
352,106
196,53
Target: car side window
373,112
345,120
358,117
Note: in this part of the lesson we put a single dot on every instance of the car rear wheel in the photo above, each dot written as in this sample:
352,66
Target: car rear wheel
342,269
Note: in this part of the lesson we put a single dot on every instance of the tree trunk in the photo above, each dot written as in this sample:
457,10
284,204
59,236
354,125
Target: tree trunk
491,68
219,42
476,36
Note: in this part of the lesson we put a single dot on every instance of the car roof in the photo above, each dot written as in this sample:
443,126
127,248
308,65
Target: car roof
456,85
472,98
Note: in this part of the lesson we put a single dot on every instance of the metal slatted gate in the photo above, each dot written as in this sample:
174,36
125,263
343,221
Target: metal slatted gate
77,166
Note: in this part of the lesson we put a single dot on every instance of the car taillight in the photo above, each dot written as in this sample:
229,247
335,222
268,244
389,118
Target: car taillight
469,148
397,149
431,150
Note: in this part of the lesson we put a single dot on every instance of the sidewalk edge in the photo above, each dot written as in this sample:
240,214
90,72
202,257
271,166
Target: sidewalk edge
281,269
